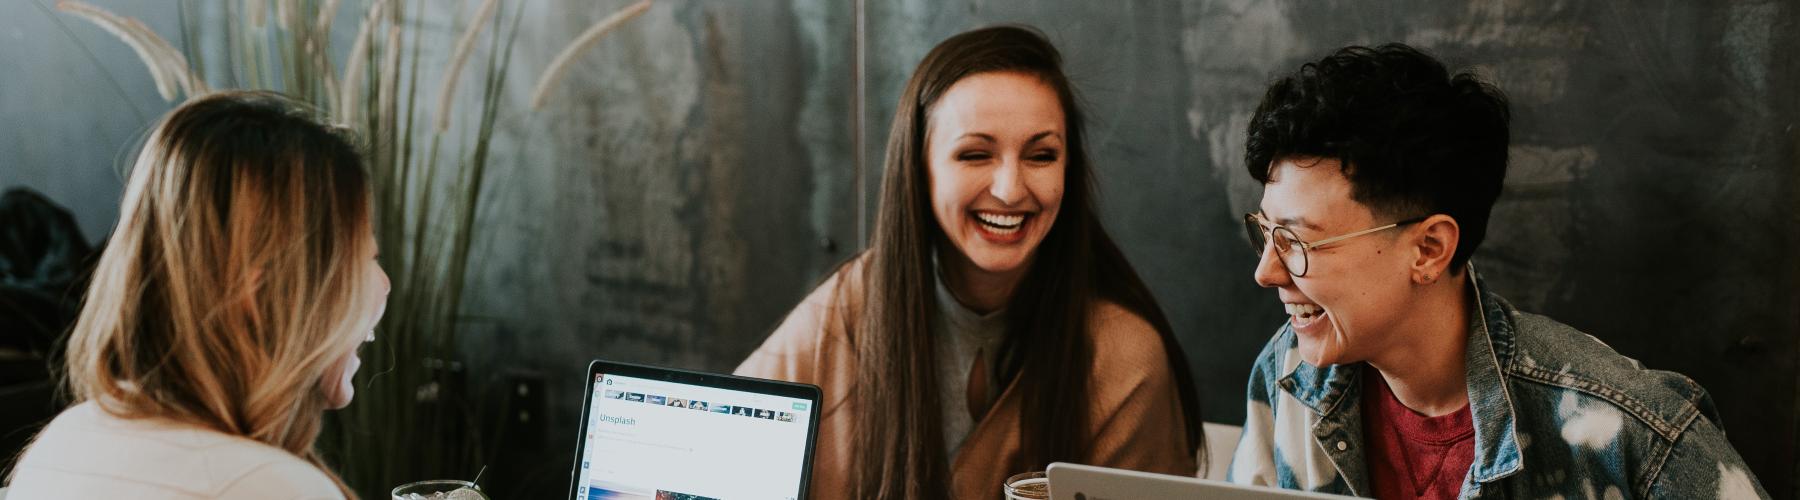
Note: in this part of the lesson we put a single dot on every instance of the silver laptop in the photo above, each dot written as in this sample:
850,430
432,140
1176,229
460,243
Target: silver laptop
1085,482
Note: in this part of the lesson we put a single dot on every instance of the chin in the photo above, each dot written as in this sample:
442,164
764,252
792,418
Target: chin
1316,353
1000,260
339,398
1001,266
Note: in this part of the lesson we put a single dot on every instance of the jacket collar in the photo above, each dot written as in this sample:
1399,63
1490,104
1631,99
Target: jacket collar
1489,352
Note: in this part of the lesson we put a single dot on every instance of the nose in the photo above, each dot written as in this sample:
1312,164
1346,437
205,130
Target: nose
1006,185
1271,272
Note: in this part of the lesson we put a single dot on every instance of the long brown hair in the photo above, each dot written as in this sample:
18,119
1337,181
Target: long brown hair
899,429
234,278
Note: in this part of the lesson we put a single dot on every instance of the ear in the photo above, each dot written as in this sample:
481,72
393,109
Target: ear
1435,241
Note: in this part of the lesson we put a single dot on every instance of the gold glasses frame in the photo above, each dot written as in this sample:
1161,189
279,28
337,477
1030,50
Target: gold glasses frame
1265,233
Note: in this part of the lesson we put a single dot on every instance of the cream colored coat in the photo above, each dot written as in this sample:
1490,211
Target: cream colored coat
1135,413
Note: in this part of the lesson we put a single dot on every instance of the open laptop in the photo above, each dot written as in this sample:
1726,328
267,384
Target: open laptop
1085,482
654,433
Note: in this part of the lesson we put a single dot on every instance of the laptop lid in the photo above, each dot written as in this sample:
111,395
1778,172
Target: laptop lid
1085,482
657,433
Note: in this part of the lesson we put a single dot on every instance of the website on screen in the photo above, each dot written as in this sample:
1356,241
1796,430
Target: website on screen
650,439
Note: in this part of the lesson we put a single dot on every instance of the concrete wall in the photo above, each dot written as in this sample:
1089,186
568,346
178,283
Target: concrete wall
698,174
692,183
70,116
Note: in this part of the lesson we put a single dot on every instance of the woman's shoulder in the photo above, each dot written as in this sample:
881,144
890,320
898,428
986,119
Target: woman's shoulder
1134,395
291,479
830,308
840,290
817,326
1129,356
88,448
1123,338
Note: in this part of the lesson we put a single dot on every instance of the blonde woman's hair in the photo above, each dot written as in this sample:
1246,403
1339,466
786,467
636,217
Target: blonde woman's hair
234,279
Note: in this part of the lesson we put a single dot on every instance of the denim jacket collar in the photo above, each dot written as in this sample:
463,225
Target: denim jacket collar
1326,390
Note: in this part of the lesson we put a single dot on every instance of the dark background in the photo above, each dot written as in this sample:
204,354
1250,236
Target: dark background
708,162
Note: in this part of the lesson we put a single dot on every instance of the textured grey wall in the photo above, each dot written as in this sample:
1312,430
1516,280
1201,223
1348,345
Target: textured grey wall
691,183
67,125
696,175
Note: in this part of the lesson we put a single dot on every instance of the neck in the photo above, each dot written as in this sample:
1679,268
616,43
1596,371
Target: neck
1426,366
979,290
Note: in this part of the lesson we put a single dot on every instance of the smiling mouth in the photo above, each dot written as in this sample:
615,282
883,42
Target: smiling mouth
1304,314
1001,224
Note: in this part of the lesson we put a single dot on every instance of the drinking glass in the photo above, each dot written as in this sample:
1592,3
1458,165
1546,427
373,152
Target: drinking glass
1027,486
439,489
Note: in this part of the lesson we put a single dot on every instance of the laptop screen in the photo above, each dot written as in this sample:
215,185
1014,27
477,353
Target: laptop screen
659,439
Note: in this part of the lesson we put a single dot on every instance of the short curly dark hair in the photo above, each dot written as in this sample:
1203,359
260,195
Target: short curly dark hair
1413,139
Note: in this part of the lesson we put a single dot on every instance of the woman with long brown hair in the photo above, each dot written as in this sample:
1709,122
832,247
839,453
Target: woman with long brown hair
992,327
224,316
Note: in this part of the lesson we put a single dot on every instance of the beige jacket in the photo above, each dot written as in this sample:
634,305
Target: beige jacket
1135,412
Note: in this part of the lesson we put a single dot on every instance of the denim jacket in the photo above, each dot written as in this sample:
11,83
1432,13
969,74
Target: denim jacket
1557,414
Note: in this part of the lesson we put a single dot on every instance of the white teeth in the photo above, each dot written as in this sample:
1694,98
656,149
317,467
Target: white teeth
1002,224
1302,310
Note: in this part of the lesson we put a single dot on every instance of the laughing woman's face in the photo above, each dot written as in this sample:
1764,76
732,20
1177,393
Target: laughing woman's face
337,387
996,155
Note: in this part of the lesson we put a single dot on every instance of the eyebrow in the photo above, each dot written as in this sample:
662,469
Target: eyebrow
1296,221
1034,137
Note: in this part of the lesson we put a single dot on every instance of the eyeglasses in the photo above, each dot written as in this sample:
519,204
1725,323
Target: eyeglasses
1292,251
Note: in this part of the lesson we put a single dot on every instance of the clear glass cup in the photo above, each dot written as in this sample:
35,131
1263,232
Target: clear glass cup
1027,486
439,489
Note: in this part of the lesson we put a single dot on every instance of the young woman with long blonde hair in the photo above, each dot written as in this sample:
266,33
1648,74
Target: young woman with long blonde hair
224,316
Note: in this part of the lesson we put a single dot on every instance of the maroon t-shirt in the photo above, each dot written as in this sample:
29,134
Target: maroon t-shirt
1411,455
